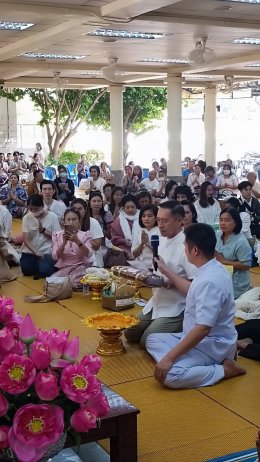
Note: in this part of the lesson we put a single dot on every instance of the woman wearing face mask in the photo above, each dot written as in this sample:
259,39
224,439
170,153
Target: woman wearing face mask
65,186
123,227
208,208
71,249
141,244
38,226
227,183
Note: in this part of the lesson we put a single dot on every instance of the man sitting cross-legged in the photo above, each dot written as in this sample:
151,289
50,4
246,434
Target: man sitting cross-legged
203,353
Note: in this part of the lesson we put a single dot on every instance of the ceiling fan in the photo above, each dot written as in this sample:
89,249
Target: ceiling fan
201,54
229,85
112,73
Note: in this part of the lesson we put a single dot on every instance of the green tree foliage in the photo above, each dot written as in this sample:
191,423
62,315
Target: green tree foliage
142,106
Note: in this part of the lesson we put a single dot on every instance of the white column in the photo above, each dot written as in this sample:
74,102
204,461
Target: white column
210,119
116,121
8,125
174,107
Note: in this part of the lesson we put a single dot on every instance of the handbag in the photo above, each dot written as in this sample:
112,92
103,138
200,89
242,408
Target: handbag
55,288
115,257
118,299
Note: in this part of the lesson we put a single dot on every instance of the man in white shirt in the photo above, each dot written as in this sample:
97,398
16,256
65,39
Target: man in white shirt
203,353
151,183
58,207
164,311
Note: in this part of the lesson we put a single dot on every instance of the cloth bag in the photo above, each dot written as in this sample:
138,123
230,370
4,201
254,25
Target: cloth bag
55,288
115,257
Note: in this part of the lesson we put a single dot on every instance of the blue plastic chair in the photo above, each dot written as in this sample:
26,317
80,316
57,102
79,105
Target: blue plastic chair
72,171
50,173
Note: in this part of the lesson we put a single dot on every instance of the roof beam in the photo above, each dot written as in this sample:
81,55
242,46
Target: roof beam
200,20
127,9
31,42
68,13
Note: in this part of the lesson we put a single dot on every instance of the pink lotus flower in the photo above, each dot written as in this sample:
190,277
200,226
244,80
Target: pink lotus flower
4,405
71,350
99,405
14,323
83,420
55,339
35,428
78,384
46,386
93,362
6,309
27,331
17,373
4,441
7,341
40,355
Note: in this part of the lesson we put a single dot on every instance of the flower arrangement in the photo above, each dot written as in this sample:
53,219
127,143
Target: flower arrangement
44,390
94,275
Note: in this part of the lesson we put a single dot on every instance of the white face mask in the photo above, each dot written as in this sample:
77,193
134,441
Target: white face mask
37,214
226,172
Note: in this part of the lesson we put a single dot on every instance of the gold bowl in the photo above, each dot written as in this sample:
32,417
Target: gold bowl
95,287
111,326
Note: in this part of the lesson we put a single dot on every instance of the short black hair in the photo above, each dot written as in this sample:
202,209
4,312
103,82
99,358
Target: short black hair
202,236
153,208
209,168
36,173
233,202
128,198
14,174
244,185
62,167
236,217
96,167
175,208
36,199
184,189
109,185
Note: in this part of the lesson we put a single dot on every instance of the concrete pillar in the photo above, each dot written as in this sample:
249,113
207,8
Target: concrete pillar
116,121
174,107
210,119
8,125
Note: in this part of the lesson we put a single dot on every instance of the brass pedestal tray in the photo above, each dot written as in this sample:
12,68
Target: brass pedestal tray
111,326
95,289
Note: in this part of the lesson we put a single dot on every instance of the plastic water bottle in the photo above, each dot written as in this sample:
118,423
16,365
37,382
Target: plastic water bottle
85,290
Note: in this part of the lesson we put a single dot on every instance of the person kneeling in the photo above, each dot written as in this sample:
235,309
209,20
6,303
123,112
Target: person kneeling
204,352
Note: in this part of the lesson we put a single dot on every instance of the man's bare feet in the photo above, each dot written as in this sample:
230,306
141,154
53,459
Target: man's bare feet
231,369
243,343
258,444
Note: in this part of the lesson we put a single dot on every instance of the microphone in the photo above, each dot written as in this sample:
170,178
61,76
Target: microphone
155,244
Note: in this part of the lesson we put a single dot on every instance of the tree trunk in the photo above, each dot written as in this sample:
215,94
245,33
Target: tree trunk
125,147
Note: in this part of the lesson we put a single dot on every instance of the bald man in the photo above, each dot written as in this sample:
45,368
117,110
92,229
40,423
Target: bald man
252,178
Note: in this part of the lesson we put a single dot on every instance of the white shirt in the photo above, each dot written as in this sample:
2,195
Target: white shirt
98,184
5,222
151,185
210,302
246,223
208,215
58,208
192,176
95,229
146,256
39,241
170,302
256,188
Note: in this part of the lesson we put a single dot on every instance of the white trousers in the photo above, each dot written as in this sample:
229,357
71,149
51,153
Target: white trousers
193,369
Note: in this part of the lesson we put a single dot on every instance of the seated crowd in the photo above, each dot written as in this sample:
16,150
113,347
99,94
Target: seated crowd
65,234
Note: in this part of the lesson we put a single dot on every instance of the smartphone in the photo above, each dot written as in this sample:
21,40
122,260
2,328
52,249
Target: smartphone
69,229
